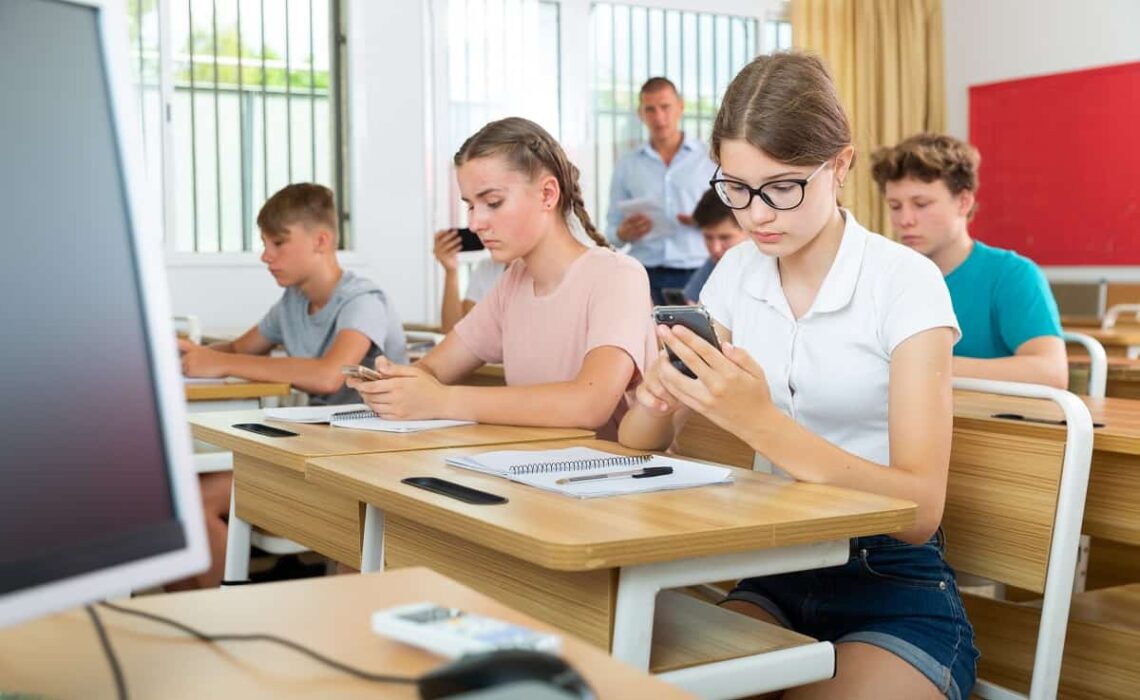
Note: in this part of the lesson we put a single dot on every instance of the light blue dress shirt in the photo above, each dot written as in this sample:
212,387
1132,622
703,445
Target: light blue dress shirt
678,186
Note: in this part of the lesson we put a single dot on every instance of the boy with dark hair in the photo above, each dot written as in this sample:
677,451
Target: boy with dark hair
720,230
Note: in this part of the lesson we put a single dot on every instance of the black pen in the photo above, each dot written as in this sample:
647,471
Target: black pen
633,473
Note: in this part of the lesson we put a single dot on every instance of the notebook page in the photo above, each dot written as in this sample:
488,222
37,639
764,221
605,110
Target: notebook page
685,475
394,426
309,414
501,461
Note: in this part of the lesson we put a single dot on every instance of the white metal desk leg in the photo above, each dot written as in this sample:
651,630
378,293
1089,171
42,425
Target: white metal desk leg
633,617
372,552
237,545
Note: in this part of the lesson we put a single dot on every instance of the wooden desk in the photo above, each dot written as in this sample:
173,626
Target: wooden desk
1123,376
269,484
60,656
1120,341
231,390
594,567
1112,507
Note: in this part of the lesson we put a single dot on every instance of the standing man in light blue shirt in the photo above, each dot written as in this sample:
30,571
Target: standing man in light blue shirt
671,171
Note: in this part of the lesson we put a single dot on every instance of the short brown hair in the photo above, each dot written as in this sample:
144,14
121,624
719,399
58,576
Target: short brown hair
710,210
786,105
928,157
658,83
299,203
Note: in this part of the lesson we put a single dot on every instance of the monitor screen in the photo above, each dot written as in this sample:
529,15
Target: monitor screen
86,482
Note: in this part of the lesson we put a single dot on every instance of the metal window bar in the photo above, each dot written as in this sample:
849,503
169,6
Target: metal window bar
193,127
217,131
246,234
312,98
288,93
698,32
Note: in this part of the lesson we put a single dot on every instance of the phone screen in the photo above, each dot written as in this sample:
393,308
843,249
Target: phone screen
469,240
696,319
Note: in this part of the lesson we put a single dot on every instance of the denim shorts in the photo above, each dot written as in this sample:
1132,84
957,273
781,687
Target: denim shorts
894,595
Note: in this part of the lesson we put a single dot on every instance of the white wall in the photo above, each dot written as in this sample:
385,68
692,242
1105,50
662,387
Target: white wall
992,40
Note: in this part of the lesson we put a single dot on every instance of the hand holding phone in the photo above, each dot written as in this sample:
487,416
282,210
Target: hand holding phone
361,373
696,319
469,240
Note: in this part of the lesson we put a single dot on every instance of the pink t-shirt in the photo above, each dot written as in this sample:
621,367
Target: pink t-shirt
602,300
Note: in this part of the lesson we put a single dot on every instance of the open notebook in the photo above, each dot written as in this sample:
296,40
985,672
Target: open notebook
542,469
356,416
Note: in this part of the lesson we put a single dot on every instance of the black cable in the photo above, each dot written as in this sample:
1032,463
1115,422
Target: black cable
116,670
213,638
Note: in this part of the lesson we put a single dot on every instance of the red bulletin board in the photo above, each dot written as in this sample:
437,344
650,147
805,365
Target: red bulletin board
1060,173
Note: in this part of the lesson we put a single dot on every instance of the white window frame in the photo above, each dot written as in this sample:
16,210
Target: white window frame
175,258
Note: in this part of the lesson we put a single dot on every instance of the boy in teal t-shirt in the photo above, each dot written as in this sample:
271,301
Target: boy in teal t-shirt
1011,329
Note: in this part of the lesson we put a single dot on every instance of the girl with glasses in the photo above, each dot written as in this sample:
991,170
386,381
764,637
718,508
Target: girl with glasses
568,321
835,370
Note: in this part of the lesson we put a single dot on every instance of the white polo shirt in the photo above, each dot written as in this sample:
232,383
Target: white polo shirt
830,369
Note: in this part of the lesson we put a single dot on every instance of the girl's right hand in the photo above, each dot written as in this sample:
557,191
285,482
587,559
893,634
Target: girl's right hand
652,394
446,248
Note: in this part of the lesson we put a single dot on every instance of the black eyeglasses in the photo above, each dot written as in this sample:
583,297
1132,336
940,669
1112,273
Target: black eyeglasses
778,194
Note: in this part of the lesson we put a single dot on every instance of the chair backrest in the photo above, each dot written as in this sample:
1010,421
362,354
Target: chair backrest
1014,505
1116,311
1001,498
1098,361
700,438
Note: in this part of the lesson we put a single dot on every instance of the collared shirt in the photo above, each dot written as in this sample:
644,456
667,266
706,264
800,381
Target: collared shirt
1002,300
830,369
678,187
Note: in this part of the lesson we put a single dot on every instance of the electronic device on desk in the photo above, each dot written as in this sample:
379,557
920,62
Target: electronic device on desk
508,674
452,632
98,479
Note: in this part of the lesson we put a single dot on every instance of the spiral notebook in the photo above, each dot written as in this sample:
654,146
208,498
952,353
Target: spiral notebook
543,468
356,416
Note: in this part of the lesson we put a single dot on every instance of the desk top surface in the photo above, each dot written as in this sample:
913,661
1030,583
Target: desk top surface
322,440
757,511
1121,418
1118,336
60,656
1119,368
222,390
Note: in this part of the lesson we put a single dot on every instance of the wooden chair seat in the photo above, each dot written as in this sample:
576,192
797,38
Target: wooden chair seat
1101,646
689,632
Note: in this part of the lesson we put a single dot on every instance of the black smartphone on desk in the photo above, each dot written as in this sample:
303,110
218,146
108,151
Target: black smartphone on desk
469,240
696,319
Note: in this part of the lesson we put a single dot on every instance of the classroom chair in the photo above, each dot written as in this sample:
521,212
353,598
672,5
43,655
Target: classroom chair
1116,311
1098,361
1014,506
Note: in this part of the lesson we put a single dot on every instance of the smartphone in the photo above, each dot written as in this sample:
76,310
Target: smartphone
452,632
454,490
469,240
266,430
361,372
696,319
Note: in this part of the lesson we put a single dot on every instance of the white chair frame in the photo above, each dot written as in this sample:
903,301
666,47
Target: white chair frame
1061,570
1098,361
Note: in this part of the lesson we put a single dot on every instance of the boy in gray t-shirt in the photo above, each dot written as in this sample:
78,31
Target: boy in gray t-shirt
326,318
356,304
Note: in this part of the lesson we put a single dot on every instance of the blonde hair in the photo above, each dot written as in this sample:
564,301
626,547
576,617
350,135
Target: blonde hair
529,149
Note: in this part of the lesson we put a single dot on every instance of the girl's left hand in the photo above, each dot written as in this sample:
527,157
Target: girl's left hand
731,389
406,393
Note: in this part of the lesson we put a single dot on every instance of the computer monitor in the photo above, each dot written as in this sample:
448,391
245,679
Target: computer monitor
98,494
